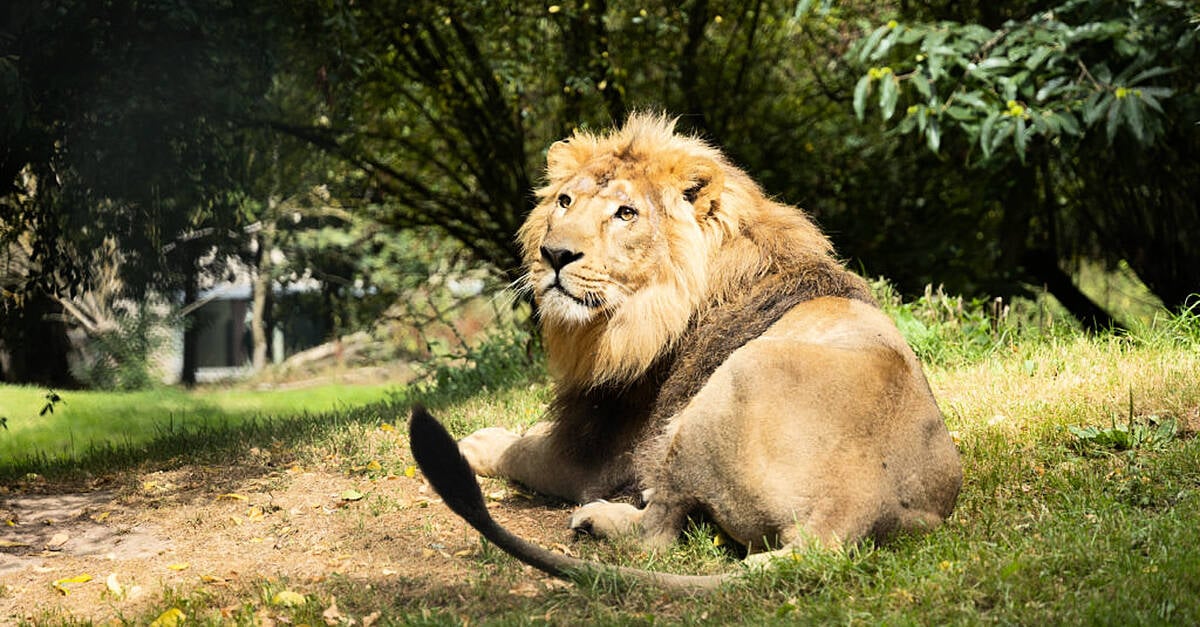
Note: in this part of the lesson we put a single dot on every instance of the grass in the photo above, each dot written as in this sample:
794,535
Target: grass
1080,502
93,431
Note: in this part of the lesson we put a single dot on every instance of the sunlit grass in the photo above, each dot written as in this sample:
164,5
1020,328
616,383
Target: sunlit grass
84,422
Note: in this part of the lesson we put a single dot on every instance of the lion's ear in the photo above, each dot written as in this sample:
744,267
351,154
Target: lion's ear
704,182
563,159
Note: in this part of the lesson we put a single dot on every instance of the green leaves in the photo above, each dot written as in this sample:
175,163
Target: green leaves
1026,85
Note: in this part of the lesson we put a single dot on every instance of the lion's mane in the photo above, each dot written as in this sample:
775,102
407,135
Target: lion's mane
748,260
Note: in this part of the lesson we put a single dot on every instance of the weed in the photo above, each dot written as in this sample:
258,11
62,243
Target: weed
1150,433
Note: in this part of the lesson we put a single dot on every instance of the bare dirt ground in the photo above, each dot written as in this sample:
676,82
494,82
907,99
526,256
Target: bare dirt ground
121,548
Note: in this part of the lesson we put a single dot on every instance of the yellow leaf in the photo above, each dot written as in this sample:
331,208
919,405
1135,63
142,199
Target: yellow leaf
374,465
10,544
101,516
386,427
170,618
10,522
211,579
179,566
233,497
287,598
410,472
254,513
60,584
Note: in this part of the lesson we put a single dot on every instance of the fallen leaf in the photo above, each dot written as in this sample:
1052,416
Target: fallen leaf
213,579
287,598
231,496
462,553
179,566
254,513
60,584
410,471
352,495
57,541
386,427
332,615
7,544
170,618
374,466
114,587
564,549
101,516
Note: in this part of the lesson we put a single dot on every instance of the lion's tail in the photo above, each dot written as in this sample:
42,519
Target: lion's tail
437,454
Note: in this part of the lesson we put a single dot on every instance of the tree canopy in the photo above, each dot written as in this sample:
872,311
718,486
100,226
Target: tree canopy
984,146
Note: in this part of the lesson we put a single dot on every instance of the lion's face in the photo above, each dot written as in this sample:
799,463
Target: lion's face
603,241
617,251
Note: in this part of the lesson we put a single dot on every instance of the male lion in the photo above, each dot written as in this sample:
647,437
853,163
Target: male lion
710,352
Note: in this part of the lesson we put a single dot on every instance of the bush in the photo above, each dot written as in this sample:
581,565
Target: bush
949,330
121,357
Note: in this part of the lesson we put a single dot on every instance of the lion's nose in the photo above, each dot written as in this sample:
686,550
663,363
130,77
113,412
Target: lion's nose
559,257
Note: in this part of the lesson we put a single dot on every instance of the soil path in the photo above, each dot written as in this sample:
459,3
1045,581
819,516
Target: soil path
232,530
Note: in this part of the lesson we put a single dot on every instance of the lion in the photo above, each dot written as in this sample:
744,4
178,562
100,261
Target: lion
710,354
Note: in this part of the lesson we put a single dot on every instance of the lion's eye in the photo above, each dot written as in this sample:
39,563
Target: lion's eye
564,201
625,213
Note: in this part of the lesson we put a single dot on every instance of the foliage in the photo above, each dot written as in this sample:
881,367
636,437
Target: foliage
122,124
1055,76
949,330
188,132
121,357
1058,112
507,357
1151,434
52,400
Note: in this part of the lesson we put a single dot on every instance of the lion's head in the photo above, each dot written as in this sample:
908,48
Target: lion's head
635,232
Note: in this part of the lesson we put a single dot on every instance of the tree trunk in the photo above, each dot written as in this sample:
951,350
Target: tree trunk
191,332
1043,265
35,337
260,320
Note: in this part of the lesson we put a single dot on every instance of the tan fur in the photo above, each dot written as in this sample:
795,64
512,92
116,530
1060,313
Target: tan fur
710,349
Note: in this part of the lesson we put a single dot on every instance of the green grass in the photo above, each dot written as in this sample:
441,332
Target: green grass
89,431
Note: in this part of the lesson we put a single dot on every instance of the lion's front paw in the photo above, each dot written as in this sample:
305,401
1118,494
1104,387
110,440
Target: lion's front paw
484,448
605,520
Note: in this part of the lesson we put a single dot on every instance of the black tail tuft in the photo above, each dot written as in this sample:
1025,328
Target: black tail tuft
437,454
